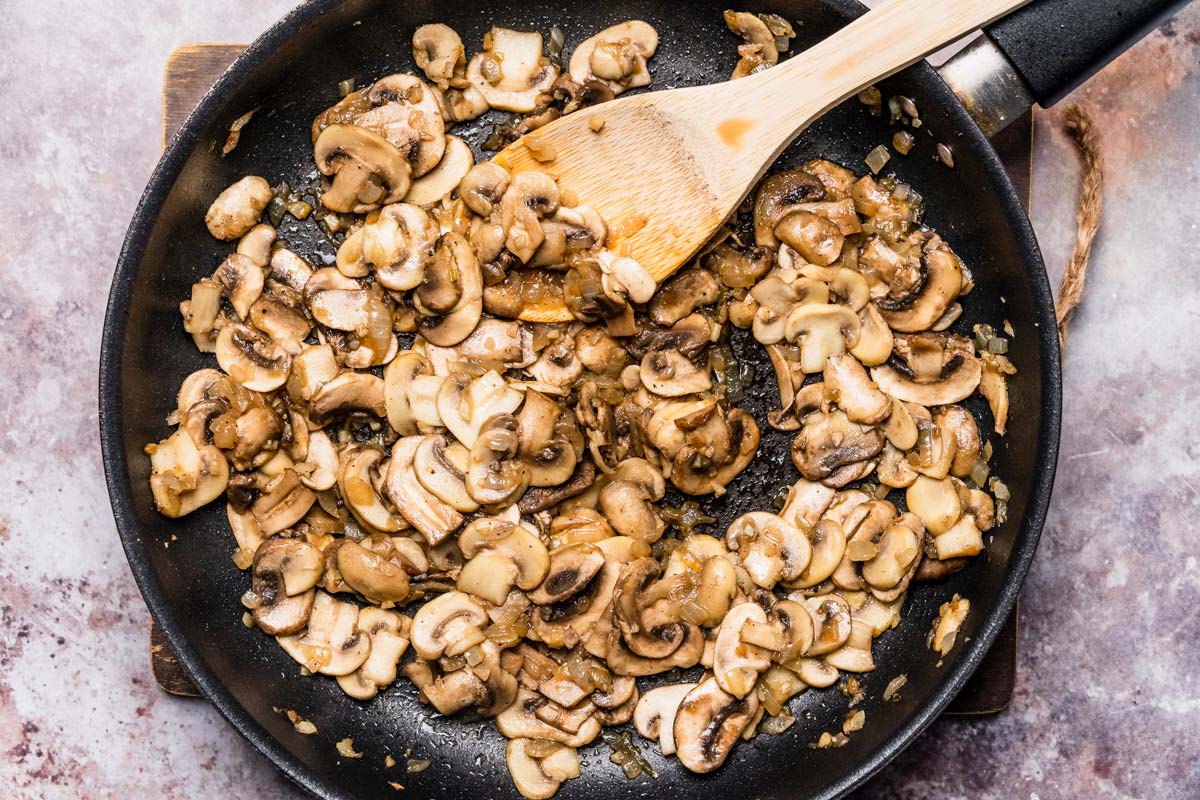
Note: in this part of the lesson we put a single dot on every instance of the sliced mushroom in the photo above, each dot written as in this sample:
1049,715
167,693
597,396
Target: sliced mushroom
438,52
389,639
374,576
284,502
558,364
943,284
538,778
829,442
530,196
452,280
617,56
241,281
855,655
501,555
571,569
520,721
668,373
625,277
251,358
931,369
406,406
445,177
814,237
828,543
849,387
238,207
511,71
777,197
349,393
936,502
496,476
822,330
769,547
831,620
449,624
441,467
737,663
758,38
683,294
367,169
184,477
708,723
465,404
875,340
434,519
284,574
332,644
358,482
654,716
483,186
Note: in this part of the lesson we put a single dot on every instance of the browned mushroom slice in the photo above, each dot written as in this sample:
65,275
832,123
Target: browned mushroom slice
389,633
777,196
284,502
511,71
238,208
683,294
708,723
184,477
501,555
332,644
368,170
429,515
349,393
830,441
930,369
852,390
374,576
538,770
251,358
929,300
284,574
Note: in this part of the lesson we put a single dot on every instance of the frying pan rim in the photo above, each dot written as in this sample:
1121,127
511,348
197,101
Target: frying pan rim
159,186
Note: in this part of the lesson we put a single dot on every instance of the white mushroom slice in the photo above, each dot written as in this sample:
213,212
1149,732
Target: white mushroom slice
389,639
441,468
449,624
283,502
496,475
399,395
292,565
831,623
875,341
367,169
855,655
848,385
951,616
453,276
399,244
530,196
736,663
496,343
464,404
538,778
558,364
511,72
237,209
319,470
357,483
438,52
241,280
184,477
520,721
936,502
961,540
828,542
312,367
806,502
709,723
822,330
332,644
251,358
349,393
899,550
625,276
616,55
501,554
669,373
444,178
769,547
429,515
654,716
406,112
816,673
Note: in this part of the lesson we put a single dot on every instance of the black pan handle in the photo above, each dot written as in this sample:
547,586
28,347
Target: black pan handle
1055,45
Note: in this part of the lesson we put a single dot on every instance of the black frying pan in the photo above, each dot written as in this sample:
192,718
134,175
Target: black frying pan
290,74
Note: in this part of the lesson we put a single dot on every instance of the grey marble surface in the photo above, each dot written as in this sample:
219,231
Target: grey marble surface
1108,689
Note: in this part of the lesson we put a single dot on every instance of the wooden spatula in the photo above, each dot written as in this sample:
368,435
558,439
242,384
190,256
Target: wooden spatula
668,168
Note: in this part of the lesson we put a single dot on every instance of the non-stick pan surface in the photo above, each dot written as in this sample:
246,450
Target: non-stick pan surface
183,566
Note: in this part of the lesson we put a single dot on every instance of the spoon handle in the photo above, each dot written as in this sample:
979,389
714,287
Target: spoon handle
885,40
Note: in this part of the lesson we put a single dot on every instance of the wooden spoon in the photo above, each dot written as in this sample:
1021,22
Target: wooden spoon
668,168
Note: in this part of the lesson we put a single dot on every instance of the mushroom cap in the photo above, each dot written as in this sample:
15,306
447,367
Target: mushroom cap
708,723
778,195
441,468
355,156
668,373
496,475
437,51
654,716
238,207
615,56
449,624
736,663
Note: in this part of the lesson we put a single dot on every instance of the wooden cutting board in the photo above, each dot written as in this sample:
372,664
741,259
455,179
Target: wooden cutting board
193,68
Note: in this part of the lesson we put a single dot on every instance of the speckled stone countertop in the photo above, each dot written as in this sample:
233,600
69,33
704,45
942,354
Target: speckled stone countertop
1107,700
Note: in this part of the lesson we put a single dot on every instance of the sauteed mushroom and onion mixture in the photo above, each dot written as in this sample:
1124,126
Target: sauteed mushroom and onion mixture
409,468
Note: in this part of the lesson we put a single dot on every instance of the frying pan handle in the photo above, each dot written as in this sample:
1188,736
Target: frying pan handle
1039,53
